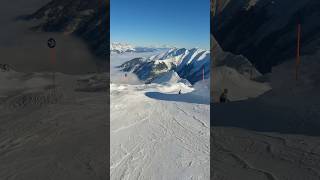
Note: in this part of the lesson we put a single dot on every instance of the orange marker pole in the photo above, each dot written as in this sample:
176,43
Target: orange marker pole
219,6
53,63
203,74
102,11
100,15
298,51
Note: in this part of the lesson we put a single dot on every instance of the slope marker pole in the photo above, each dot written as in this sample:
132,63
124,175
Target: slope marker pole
53,56
100,15
298,53
203,73
102,11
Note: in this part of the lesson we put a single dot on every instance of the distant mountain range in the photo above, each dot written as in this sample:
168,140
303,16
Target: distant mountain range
120,48
265,31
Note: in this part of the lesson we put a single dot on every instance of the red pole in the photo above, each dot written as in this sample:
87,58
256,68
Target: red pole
203,74
298,51
219,6
53,56
53,63
100,15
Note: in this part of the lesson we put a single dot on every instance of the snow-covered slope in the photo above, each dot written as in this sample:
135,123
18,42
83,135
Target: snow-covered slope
51,133
276,134
157,133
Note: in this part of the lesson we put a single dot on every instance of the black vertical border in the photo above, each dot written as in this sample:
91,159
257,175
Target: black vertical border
107,34
212,24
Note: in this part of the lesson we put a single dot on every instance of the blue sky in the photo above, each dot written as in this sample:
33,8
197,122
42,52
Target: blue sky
182,23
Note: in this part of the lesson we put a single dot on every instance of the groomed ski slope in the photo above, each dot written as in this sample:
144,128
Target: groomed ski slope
157,133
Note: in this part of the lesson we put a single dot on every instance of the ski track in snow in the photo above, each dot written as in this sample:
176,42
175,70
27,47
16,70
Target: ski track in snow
164,124
157,139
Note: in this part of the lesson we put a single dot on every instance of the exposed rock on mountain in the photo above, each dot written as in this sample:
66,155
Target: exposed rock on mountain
88,20
263,32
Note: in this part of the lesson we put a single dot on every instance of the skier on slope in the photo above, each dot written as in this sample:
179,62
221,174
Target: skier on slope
224,96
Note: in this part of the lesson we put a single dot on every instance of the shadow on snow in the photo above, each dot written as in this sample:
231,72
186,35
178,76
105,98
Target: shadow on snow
187,98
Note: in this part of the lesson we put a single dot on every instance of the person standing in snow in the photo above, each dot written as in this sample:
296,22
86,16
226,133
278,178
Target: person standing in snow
224,96
180,91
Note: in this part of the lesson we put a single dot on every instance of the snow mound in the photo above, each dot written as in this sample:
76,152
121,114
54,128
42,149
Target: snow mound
239,87
202,88
170,77
93,83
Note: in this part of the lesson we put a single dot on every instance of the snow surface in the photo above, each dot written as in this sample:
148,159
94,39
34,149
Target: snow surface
51,133
155,132
274,136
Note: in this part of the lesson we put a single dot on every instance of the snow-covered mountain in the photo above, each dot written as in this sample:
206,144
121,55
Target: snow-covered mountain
265,31
120,48
189,64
